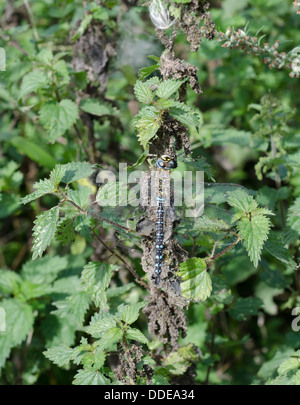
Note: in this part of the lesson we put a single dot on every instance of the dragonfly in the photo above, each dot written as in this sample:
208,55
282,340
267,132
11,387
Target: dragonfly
161,206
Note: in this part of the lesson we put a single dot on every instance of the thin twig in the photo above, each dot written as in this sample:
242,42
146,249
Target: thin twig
226,250
132,271
31,18
212,346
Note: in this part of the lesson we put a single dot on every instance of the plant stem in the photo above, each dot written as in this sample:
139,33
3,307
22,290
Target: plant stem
212,346
108,248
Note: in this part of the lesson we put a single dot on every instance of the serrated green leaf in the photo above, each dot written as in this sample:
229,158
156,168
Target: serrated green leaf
100,323
30,290
76,170
9,281
96,278
293,216
168,87
129,313
196,282
65,232
57,118
146,71
254,232
60,355
275,246
244,307
290,364
110,338
186,115
44,231
61,69
147,129
143,92
57,174
32,82
67,285
83,225
43,270
269,368
242,201
90,377
80,196
95,107
42,187
136,334
73,307
19,321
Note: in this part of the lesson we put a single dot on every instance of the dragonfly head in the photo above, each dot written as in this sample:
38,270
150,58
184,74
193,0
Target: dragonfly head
166,162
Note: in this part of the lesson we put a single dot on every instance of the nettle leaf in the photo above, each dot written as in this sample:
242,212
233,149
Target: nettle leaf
57,174
32,82
81,196
95,107
76,170
44,230
220,290
253,225
186,115
9,281
60,355
65,232
275,246
96,277
177,362
146,71
110,338
254,231
43,270
143,92
244,307
83,225
61,69
100,323
67,285
168,87
19,321
29,290
136,334
293,216
74,307
242,201
42,187
196,282
90,377
129,313
57,118
147,122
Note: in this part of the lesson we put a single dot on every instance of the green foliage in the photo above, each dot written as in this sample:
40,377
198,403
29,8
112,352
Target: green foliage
79,94
57,118
196,282
156,94
253,225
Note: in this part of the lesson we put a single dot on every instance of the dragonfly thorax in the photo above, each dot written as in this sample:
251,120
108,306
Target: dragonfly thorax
166,162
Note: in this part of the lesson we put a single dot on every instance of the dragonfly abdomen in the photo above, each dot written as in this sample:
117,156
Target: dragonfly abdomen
159,240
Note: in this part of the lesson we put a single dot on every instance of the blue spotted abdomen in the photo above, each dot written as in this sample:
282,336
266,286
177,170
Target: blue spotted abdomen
159,241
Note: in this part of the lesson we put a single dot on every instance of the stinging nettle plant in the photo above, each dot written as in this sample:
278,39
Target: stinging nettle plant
92,307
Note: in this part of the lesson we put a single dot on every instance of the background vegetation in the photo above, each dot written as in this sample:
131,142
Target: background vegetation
75,93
